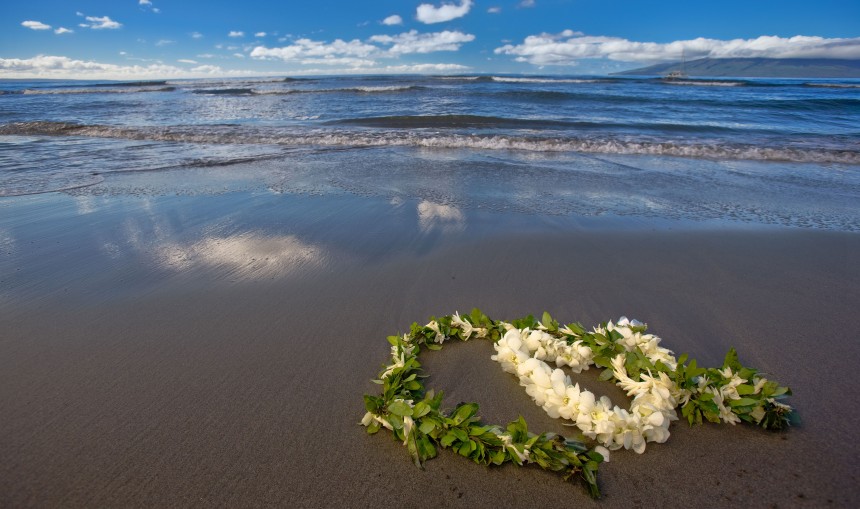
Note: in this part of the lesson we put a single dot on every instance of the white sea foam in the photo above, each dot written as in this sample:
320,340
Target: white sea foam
502,79
367,90
76,91
833,85
382,138
697,83
392,88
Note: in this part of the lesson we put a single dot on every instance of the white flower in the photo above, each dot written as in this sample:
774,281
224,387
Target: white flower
367,419
532,339
526,353
370,417
509,358
511,448
463,325
399,362
726,413
434,326
408,424
566,330
603,451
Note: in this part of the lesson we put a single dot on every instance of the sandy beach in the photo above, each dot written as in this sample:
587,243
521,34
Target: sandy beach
212,349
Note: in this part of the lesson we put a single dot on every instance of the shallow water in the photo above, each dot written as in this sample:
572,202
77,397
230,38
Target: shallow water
783,152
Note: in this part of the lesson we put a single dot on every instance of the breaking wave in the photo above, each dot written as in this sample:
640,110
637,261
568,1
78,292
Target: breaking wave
382,138
74,91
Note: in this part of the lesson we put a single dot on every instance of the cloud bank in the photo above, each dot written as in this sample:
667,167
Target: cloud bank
363,53
48,66
428,13
568,47
413,42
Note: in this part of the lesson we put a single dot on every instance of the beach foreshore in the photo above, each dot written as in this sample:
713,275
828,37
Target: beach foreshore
213,350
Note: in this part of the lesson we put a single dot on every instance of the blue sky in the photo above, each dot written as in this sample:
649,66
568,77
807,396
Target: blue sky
194,38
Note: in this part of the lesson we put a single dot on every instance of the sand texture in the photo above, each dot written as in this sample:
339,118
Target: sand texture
170,351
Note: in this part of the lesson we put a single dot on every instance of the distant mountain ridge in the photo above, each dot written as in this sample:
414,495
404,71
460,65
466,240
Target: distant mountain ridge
757,68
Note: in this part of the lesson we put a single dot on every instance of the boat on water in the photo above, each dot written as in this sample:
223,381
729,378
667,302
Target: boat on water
675,75
678,74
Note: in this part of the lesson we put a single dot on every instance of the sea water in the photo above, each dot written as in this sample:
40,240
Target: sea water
770,151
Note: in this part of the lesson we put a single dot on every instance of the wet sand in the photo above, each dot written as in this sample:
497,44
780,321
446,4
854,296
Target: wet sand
213,350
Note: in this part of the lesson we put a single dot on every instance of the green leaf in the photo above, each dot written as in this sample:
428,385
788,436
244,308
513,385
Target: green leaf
731,360
427,426
464,411
373,427
743,402
606,375
400,408
421,409
372,404
745,389
461,435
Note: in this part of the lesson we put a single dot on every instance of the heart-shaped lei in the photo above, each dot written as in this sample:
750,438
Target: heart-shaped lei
658,382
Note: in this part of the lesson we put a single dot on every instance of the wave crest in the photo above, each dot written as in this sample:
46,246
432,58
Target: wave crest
342,138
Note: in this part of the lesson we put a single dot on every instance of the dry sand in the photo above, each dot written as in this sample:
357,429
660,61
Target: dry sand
173,351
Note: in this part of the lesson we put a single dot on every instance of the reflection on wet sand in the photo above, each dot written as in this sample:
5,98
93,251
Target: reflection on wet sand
435,216
251,256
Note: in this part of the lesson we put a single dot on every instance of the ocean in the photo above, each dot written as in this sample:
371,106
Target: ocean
764,151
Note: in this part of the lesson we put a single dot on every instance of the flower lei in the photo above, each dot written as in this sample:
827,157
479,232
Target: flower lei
658,382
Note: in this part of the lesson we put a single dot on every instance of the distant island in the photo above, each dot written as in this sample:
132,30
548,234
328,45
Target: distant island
757,68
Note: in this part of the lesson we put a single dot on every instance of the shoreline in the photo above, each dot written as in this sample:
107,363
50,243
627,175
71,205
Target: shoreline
214,350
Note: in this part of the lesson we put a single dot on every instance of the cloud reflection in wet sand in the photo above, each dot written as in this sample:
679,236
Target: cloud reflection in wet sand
435,216
250,256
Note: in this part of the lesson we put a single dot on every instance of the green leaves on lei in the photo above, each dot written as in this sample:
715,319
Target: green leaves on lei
415,417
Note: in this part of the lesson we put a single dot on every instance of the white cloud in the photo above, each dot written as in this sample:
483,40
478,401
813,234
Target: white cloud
394,19
156,10
388,69
527,3
35,25
428,13
207,69
569,46
413,42
144,2
187,61
494,10
196,35
238,55
307,48
63,30
164,42
361,53
46,66
343,61
425,68
100,23
260,34
236,33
